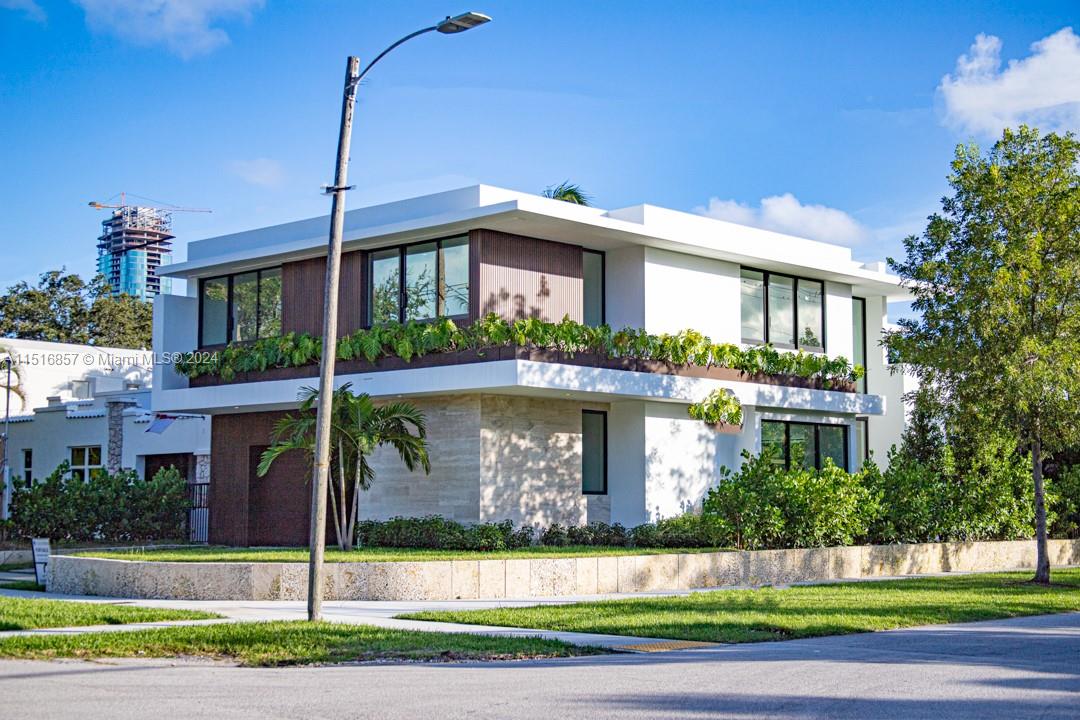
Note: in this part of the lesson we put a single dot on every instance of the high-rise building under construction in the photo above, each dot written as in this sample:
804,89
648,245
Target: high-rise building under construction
135,241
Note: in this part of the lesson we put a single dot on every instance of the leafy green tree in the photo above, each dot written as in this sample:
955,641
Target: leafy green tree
62,307
996,281
358,427
568,192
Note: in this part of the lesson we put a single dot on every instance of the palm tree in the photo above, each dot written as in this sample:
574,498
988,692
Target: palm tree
357,428
568,192
16,378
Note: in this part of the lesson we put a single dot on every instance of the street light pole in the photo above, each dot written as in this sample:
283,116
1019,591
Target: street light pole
6,477
317,535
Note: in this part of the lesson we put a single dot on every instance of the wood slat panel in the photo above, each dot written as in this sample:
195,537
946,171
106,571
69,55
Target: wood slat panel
517,277
302,294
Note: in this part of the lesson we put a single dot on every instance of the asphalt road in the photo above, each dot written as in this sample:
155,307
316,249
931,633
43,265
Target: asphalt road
1022,668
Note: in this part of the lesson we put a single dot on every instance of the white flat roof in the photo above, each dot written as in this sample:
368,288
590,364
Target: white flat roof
484,206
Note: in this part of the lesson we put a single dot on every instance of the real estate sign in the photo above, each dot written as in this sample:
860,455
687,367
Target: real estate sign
40,547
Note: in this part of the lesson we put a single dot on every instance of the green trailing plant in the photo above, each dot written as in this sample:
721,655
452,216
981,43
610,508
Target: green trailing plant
721,407
415,339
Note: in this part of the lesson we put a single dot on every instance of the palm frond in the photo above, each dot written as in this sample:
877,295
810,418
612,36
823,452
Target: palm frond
568,192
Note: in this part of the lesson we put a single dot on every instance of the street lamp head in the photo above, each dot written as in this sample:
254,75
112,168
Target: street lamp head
461,23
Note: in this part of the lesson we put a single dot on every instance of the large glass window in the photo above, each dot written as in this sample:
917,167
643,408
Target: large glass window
786,311
858,336
811,304
753,306
454,278
384,299
862,439
84,460
592,281
781,311
435,281
593,452
240,308
808,445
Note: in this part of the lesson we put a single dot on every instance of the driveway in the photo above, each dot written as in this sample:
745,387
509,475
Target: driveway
1026,667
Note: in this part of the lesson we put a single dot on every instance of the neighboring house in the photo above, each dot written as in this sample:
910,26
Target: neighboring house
90,407
525,438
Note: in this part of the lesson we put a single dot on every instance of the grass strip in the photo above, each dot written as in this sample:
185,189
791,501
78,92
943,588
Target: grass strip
34,613
287,643
29,585
737,616
231,554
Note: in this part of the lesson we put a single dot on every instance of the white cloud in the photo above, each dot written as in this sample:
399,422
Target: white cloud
784,213
263,172
1042,89
185,27
29,8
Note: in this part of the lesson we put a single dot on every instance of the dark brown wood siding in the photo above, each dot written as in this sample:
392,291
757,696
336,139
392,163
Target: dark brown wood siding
246,509
517,277
302,286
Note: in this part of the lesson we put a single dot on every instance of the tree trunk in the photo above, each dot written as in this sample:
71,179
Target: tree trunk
1042,563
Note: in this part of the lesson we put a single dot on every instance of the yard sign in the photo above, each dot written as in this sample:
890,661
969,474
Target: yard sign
41,558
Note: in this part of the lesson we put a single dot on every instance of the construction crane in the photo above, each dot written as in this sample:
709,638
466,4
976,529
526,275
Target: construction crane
135,227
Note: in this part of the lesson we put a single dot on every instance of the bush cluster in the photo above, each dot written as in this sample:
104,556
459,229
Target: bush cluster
107,507
414,339
437,533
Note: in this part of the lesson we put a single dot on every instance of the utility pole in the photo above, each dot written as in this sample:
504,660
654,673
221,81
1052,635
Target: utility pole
329,346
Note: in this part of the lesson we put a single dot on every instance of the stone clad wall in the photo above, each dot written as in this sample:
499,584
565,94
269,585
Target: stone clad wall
540,577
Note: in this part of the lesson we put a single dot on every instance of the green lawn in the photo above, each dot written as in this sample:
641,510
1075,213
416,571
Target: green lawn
31,613
804,611
286,643
233,554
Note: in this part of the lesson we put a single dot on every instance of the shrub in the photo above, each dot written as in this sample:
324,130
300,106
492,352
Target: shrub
437,533
105,507
555,535
1065,501
684,531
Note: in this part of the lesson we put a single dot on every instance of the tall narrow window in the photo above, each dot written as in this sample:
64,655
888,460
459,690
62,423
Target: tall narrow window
753,306
593,452
802,445
270,303
774,440
245,307
214,303
858,336
811,316
862,439
781,311
385,292
454,280
592,281
28,466
421,281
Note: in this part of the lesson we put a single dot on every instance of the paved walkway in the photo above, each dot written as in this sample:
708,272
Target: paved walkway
1019,668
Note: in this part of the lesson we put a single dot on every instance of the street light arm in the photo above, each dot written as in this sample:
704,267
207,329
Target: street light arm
383,54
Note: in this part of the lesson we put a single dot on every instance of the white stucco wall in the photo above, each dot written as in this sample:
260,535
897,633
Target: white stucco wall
838,320
689,292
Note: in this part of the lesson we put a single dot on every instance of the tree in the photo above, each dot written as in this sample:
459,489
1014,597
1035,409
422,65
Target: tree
996,278
358,427
62,307
567,192
15,388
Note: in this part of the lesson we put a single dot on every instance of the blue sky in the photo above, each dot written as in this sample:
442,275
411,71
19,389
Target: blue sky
836,123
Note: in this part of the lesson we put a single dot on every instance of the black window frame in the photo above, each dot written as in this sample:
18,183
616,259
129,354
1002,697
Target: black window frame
766,275
604,415
603,285
229,302
28,466
817,440
863,384
369,288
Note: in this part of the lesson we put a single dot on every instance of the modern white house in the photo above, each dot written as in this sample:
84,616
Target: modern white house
90,407
532,439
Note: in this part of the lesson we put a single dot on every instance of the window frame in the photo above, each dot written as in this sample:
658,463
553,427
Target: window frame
817,440
229,303
604,447
86,468
795,279
369,286
603,284
864,381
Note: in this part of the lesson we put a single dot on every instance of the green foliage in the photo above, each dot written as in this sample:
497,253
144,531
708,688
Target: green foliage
437,533
358,427
765,506
415,339
105,507
63,307
685,531
721,407
1065,501
567,192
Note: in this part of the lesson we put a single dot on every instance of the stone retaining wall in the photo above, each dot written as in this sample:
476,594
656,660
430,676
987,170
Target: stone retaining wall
16,557
540,577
